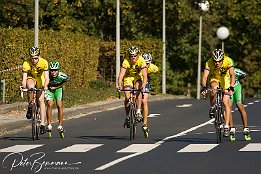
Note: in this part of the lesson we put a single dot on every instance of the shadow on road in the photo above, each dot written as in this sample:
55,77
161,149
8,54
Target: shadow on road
104,137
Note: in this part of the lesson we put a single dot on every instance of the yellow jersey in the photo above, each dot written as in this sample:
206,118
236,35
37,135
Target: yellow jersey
133,69
220,75
152,68
221,72
35,71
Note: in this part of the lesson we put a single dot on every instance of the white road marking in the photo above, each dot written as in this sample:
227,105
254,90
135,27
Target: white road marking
186,131
154,115
184,106
251,147
20,148
137,149
254,130
80,148
140,148
117,161
250,103
198,148
204,133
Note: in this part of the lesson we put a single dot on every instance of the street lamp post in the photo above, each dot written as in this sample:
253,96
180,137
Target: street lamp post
222,34
204,6
117,41
36,22
164,50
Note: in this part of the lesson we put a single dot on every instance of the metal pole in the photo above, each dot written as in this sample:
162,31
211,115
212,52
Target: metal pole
164,52
117,41
223,46
3,89
199,57
36,22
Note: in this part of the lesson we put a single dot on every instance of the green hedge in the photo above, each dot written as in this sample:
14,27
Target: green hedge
77,53
82,58
107,61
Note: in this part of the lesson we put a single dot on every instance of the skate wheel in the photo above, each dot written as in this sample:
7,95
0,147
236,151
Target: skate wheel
50,134
61,134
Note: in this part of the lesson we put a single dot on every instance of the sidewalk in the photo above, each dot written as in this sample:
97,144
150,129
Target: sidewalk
12,116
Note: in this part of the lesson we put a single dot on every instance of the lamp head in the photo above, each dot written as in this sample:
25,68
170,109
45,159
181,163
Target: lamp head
222,33
204,6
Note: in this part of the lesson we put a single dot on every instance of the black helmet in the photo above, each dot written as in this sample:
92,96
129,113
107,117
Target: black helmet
218,55
133,50
34,51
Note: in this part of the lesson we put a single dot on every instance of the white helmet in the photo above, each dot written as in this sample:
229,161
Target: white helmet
147,57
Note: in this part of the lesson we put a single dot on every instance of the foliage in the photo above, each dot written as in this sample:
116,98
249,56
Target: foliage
98,90
77,53
243,43
80,57
107,61
99,84
142,19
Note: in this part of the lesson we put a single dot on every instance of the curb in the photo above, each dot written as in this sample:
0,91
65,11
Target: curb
5,108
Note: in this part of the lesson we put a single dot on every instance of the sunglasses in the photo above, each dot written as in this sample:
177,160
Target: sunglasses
54,70
34,58
134,55
218,61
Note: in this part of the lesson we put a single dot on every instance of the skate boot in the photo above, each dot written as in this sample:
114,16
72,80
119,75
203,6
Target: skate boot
49,130
226,131
232,133
246,134
145,130
61,131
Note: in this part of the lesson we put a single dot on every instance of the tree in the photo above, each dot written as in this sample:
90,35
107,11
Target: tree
143,19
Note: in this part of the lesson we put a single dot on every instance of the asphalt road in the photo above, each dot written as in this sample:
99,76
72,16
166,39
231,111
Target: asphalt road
181,140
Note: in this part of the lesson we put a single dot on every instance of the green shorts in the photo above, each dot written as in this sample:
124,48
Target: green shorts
237,96
56,94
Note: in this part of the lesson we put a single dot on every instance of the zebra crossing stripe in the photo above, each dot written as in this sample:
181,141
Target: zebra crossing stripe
134,148
198,148
138,148
251,147
80,148
20,148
